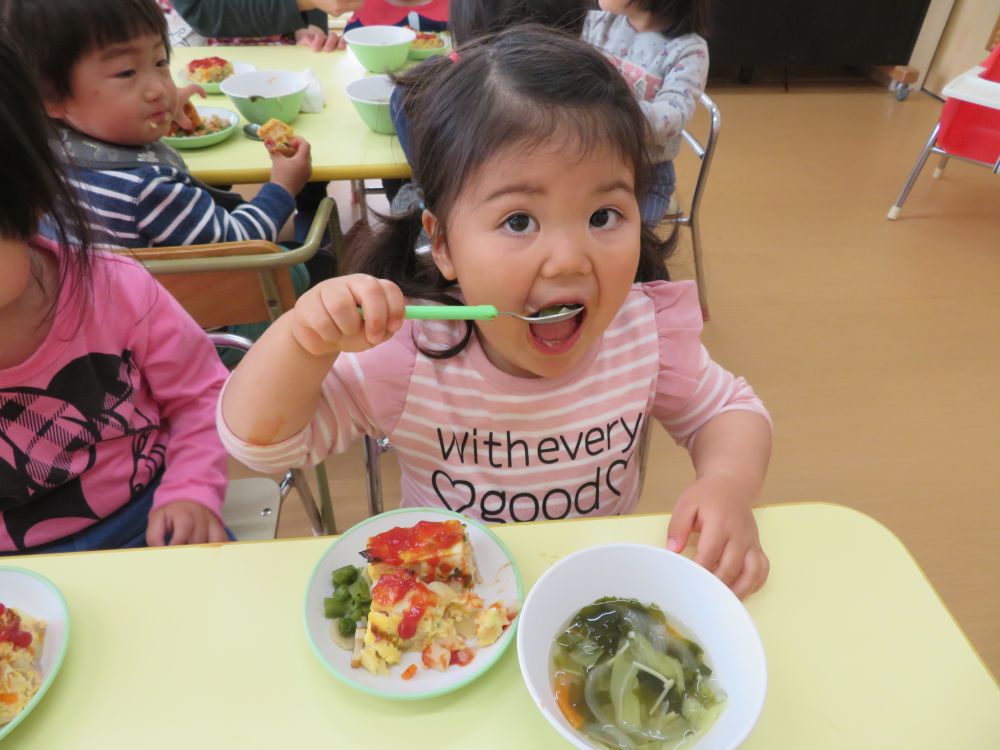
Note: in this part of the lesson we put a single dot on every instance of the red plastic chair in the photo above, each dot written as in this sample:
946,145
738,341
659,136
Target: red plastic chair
968,131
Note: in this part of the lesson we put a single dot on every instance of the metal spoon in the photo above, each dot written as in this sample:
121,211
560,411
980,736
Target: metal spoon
250,131
482,312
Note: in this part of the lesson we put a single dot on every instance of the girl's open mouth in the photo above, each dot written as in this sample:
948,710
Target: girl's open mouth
556,338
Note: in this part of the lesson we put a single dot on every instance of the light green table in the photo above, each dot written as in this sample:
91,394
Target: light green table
343,148
204,647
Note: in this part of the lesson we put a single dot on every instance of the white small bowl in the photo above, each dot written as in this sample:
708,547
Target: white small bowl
687,593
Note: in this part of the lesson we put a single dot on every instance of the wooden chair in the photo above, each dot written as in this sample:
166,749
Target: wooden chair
235,283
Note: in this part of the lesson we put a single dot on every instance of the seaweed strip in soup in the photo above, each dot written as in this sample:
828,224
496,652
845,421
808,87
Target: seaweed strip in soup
628,679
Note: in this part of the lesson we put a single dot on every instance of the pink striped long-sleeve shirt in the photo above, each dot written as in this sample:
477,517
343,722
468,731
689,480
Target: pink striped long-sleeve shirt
501,448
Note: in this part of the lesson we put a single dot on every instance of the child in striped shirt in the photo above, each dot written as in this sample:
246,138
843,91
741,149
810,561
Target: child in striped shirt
531,154
104,71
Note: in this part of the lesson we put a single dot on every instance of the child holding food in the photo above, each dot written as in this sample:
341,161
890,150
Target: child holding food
105,79
531,153
659,48
107,387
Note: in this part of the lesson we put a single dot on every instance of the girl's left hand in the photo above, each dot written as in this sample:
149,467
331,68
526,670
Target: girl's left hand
728,542
183,95
185,522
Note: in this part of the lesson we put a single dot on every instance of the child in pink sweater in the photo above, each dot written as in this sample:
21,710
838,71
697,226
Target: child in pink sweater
530,152
107,387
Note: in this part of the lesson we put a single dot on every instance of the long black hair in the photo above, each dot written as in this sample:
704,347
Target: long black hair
469,19
32,184
57,33
516,87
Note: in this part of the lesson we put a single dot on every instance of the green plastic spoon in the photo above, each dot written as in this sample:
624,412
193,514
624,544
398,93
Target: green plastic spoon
482,312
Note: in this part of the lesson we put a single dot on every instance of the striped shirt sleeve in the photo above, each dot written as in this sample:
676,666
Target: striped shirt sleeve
716,392
363,393
173,211
690,388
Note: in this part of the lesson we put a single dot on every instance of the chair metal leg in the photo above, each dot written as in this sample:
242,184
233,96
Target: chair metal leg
939,169
921,160
297,478
325,501
373,450
699,267
358,188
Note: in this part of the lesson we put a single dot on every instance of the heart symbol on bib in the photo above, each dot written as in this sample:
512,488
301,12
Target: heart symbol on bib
455,484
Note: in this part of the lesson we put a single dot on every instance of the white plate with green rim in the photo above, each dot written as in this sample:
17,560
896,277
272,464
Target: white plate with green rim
37,596
208,139
501,581
213,88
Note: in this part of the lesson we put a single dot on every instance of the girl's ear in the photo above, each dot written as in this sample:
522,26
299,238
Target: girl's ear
439,246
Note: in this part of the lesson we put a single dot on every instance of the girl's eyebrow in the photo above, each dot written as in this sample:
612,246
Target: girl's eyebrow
526,189
125,48
118,50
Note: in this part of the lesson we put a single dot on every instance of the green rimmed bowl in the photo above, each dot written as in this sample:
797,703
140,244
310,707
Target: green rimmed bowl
209,139
501,581
370,97
37,596
381,49
265,94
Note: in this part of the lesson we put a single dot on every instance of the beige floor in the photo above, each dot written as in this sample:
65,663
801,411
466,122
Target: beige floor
874,344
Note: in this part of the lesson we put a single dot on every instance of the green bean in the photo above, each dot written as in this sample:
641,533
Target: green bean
333,608
342,594
360,591
345,575
347,626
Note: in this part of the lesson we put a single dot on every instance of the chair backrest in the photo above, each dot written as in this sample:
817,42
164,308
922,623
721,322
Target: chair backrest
233,283
705,152
222,293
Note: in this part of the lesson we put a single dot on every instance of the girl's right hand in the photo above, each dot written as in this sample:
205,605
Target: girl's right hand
326,318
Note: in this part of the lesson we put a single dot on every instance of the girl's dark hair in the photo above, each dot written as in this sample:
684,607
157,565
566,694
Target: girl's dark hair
469,19
680,16
57,33
520,86
31,180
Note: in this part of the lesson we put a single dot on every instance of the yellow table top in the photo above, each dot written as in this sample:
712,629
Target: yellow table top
343,148
204,647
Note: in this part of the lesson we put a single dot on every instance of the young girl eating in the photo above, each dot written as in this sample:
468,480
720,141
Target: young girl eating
531,154
107,388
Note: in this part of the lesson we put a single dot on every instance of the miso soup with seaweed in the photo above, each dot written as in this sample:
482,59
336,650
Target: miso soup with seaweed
628,679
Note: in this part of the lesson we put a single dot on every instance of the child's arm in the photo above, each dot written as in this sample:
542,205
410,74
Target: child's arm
675,101
184,377
275,391
173,211
730,454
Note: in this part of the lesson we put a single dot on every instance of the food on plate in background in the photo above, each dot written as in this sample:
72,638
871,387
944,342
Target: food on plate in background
625,677
423,600
428,40
22,639
278,137
203,126
209,70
